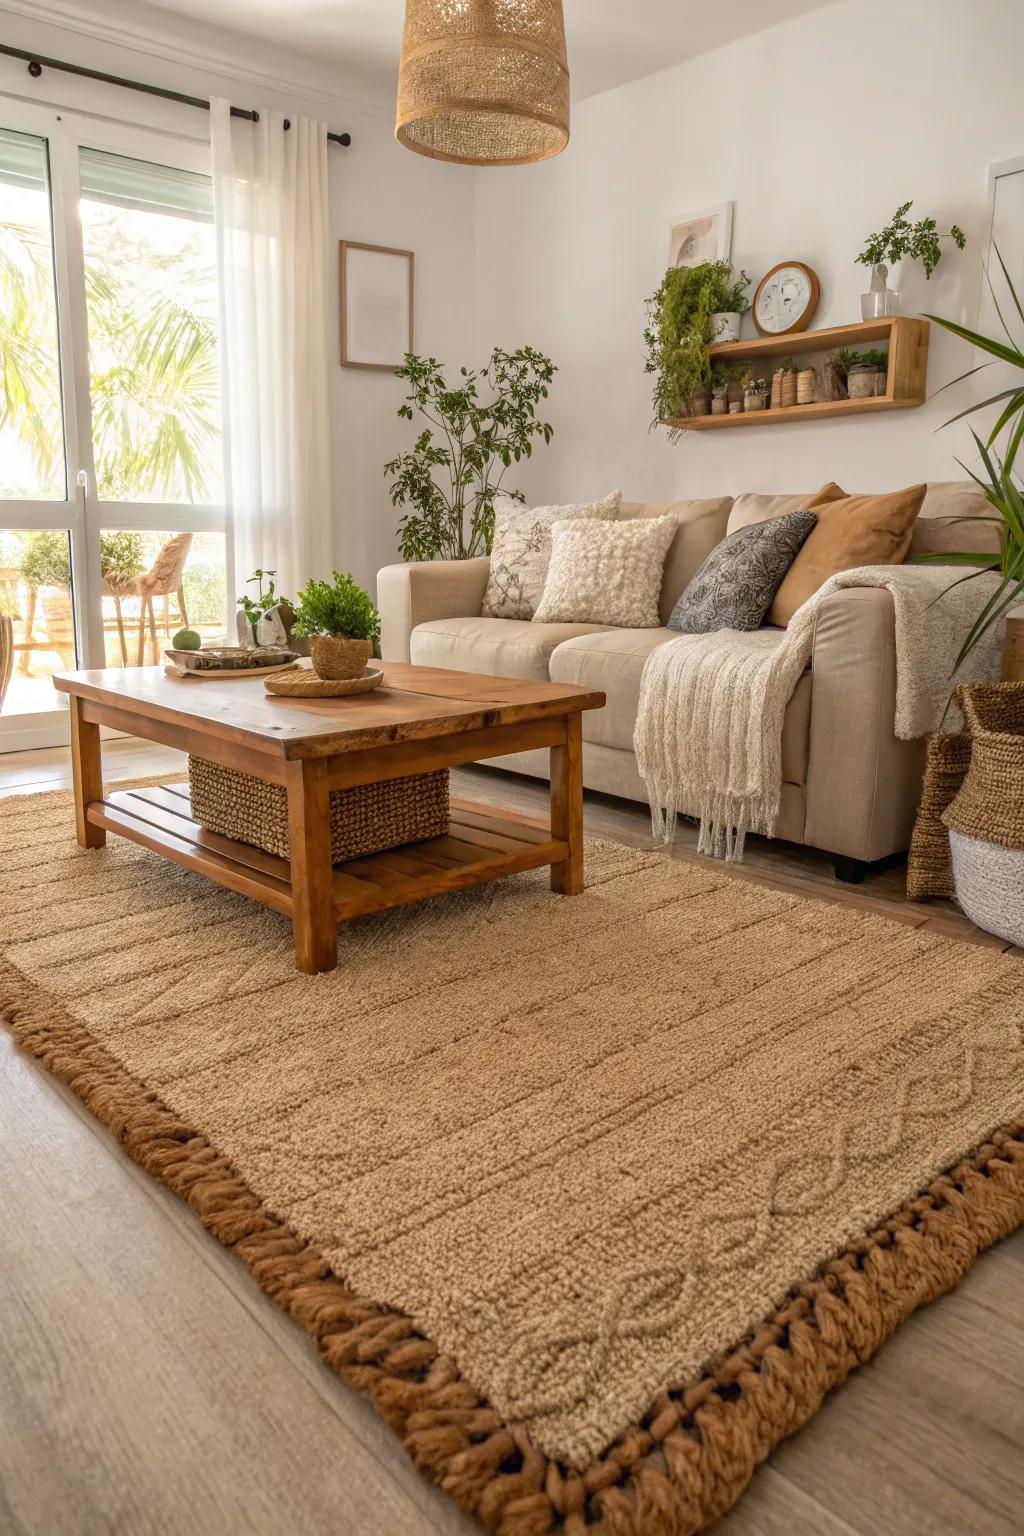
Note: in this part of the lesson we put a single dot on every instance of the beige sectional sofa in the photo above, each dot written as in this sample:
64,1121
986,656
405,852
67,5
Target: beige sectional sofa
850,786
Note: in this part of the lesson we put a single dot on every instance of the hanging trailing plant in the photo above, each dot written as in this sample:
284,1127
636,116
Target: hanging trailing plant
678,330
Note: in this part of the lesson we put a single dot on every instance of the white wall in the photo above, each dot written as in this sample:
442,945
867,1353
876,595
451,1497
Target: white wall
817,129
379,193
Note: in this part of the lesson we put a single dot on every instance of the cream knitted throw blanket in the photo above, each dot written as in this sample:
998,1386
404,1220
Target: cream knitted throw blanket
708,736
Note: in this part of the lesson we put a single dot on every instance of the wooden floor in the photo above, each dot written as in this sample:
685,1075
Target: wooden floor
147,1388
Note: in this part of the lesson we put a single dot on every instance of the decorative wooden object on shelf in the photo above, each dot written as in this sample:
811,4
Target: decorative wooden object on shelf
905,382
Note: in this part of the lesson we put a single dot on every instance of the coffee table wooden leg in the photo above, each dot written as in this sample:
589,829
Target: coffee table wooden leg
567,807
309,839
87,772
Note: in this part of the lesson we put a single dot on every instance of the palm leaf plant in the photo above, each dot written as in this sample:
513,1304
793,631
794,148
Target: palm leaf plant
1000,481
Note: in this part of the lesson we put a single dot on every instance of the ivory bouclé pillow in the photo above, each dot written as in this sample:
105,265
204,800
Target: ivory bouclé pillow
607,573
522,549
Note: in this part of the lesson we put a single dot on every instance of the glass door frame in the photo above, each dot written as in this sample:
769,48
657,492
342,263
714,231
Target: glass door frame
81,512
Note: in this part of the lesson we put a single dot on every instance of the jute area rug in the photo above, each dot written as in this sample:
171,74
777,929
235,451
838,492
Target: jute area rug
596,1197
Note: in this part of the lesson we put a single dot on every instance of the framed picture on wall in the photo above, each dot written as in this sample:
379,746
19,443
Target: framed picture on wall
376,305
703,236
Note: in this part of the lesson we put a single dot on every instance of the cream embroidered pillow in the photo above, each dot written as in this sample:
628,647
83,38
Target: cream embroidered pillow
607,573
522,549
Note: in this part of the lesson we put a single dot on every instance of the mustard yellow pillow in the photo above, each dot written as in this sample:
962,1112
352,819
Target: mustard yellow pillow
850,531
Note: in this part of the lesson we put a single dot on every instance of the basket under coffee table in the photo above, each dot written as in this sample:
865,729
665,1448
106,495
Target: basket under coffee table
421,719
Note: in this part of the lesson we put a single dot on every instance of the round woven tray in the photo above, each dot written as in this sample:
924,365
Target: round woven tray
306,685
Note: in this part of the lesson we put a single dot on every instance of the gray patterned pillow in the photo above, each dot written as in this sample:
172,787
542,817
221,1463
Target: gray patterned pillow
736,585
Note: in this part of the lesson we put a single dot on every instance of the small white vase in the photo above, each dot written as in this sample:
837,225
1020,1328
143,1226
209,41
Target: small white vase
881,301
725,325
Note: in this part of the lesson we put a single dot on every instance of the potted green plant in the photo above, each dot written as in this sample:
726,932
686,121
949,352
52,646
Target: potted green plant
725,377
475,432
732,306
253,609
789,368
341,623
679,332
755,392
894,241
866,373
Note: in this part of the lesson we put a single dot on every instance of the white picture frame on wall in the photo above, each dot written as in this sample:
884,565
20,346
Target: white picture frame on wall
702,236
1005,230
377,288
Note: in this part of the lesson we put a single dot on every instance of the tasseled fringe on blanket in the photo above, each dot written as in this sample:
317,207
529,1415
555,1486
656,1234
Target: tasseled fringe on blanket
725,819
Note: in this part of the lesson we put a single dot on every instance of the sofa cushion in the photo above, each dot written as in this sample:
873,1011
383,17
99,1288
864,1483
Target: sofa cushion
606,573
938,529
850,531
522,551
735,586
613,660
701,525
616,656
753,507
500,647
933,531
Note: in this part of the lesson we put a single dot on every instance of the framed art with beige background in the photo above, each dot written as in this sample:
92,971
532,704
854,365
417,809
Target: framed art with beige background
376,305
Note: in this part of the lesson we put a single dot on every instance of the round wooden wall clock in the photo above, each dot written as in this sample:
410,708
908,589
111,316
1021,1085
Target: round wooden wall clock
786,299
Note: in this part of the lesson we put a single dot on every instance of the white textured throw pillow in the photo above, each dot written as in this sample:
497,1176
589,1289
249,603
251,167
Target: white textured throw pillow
522,549
607,573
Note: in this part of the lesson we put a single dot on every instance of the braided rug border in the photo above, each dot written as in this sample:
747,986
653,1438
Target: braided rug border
694,1452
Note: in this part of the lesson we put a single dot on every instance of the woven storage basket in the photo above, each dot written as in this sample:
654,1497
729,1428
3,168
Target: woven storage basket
929,871
365,819
980,778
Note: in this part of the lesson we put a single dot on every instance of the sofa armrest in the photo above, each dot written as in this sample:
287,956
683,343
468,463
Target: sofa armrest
412,594
863,783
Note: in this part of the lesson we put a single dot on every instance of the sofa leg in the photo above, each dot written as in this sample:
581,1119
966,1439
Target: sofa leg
852,871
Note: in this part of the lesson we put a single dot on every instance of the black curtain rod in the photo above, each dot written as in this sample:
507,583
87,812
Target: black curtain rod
36,65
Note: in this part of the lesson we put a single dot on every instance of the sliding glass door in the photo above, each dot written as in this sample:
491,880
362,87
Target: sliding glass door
112,521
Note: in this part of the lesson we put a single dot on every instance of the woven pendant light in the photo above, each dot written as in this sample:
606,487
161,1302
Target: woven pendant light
484,82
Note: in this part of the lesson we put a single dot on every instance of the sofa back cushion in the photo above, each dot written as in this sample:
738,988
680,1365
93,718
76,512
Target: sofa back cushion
701,525
933,533
945,499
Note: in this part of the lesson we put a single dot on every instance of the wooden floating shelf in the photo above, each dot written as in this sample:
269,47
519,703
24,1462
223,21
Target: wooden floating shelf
905,381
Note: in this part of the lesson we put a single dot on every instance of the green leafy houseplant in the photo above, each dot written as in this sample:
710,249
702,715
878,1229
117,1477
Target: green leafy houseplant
1000,481
340,608
678,330
901,238
255,607
475,433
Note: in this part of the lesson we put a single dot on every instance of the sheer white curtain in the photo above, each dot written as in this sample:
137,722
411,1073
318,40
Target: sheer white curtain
271,212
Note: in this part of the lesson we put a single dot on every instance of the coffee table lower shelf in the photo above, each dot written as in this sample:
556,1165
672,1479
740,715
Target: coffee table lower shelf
478,847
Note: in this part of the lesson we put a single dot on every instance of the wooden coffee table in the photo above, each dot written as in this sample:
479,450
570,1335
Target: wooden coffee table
423,718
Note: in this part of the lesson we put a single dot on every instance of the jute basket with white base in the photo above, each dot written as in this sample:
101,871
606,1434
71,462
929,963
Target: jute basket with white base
985,818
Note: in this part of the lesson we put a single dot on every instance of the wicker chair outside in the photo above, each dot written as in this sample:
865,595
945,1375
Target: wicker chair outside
163,578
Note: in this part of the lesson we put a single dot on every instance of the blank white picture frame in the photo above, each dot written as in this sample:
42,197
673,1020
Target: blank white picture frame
376,305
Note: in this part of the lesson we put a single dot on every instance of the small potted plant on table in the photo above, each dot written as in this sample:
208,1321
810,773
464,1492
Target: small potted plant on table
342,625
